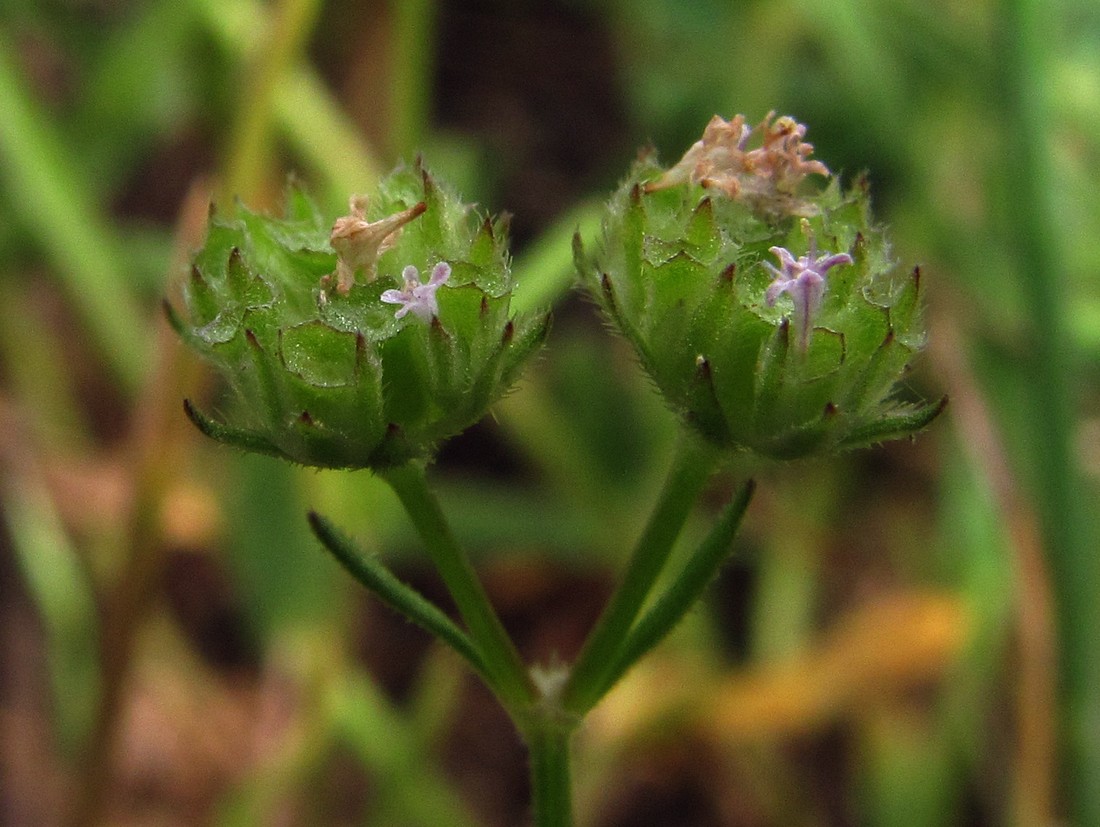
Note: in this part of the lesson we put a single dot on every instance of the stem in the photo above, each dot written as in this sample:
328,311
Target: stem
690,470
550,779
506,673
157,443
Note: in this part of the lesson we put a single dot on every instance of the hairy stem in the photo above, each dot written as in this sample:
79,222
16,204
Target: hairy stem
506,673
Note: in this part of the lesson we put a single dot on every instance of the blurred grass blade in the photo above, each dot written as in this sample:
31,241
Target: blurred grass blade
413,68
250,148
306,113
410,792
140,89
36,374
1053,376
322,135
63,595
49,189
545,270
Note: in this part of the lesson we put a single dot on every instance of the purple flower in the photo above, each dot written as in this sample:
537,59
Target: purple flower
418,298
803,279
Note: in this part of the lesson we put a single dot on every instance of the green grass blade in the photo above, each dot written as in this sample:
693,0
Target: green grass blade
38,174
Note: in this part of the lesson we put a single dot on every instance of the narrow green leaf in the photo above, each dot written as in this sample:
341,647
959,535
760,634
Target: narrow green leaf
399,596
684,592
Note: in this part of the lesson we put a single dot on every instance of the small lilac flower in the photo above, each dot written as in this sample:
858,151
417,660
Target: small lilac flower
418,298
803,279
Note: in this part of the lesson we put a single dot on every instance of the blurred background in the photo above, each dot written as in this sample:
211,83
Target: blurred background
905,636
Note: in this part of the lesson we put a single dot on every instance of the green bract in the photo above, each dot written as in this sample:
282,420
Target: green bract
710,269
334,365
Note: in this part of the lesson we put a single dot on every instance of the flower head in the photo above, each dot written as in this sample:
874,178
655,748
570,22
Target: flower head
418,298
803,279
678,270
766,177
359,243
331,379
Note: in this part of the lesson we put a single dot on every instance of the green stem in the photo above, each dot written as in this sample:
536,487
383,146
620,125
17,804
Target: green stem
506,673
551,791
689,473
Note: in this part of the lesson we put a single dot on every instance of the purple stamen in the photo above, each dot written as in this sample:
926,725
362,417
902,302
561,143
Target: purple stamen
803,279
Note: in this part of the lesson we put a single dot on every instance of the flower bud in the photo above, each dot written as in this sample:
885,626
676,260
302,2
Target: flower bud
763,304
340,353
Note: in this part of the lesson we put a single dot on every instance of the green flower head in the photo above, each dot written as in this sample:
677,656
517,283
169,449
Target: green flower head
339,354
759,296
